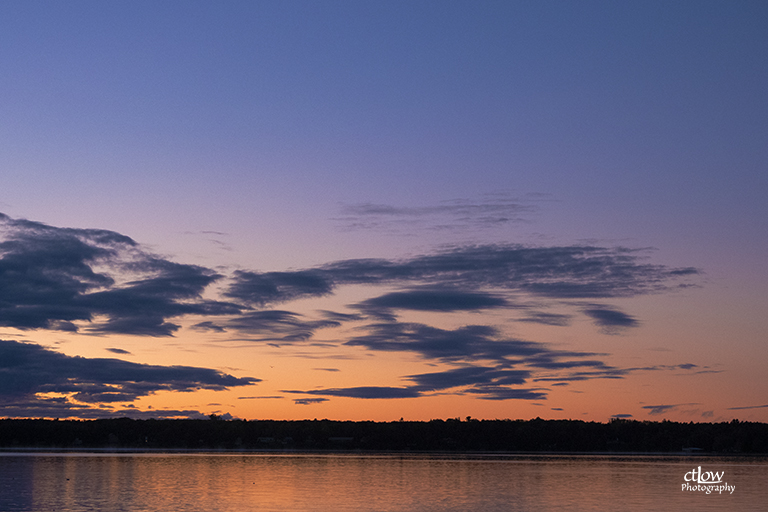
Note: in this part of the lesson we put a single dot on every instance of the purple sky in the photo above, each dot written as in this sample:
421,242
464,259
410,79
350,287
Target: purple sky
561,206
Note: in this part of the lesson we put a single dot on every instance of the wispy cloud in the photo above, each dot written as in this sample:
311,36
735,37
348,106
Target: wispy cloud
540,317
663,408
488,212
278,325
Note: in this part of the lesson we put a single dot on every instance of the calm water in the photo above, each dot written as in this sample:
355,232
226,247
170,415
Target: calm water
310,482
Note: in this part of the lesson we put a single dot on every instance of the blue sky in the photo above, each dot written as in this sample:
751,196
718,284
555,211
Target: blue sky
239,139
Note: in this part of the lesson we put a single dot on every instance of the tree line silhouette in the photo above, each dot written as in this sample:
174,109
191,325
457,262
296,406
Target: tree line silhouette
536,435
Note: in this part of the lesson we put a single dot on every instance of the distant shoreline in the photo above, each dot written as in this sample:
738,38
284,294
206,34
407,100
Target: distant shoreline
362,453
452,436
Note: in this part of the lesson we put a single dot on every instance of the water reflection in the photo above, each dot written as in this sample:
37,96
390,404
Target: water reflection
311,482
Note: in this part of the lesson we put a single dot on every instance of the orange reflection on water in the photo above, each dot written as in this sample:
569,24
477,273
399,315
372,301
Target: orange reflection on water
353,482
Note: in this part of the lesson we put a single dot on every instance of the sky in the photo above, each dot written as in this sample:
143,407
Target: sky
383,210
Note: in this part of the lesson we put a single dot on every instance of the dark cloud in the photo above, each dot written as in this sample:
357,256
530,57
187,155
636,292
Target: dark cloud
379,392
309,401
52,277
145,325
29,373
610,319
260,289
104,282
506,393
576,272
621,416
118,351
468,343
488,383
468,376
277,325
442,300
61,408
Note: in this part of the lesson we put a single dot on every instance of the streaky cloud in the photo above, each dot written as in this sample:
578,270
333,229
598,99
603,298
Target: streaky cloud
309,401
748,407
468,376
490,383
468,343
440,300
279,325
492,210
471,342
51,408
610,319
662,408
555,319
505,393
118,351
370,392
341,317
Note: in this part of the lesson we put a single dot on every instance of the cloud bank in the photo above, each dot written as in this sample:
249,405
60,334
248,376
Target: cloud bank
99,282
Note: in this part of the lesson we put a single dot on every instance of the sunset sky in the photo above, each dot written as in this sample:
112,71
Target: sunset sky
363,210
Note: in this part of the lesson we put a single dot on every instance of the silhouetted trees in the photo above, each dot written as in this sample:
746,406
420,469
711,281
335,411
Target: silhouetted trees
535,435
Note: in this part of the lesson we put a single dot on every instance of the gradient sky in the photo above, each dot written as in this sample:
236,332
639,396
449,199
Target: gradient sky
375,210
